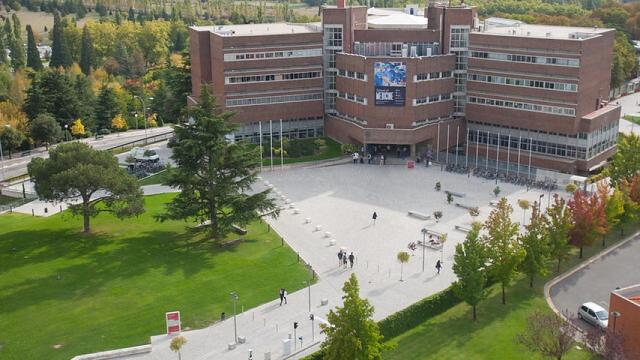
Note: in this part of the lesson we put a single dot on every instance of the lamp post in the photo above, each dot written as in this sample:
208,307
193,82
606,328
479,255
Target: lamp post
424,245
540,202
308,283
66,132
234,298
2,155
615,315
144,114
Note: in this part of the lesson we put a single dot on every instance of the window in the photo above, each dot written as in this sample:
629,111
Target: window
526,58
272,54
273,99
556,110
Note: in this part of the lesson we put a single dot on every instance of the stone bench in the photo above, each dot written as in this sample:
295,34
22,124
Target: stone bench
327,234
332,242
296,211
238,230
465,206
307,220
493,203
242,339
324,302
292,206
456,194
318,228
419,215
231,346
431,232
463,228
435,246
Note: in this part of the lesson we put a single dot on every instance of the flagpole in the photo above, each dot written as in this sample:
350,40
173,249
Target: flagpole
260,124
438,145
447,156
281,148
477,146
486,163
457,142
466,162
519,147
271,142
498,155
530,148
508,153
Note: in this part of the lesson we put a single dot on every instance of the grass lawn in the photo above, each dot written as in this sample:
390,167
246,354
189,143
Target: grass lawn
633,119
157,178
332,151
111,289
453,335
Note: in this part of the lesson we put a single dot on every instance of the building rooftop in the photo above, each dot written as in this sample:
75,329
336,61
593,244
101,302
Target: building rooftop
541,31
631,293
398,20
261,29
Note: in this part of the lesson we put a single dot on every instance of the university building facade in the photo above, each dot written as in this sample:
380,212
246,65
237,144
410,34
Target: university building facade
496,93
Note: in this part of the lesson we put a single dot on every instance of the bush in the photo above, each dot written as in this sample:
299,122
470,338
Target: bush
319,143
571,188
298,148
104,132
348,148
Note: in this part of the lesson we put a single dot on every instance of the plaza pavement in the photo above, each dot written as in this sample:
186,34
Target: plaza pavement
341,199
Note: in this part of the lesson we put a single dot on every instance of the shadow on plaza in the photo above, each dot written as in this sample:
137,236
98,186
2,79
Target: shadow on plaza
82,265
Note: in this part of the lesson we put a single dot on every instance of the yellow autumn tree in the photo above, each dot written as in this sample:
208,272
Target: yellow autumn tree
77,128
119,123
151,121
12,115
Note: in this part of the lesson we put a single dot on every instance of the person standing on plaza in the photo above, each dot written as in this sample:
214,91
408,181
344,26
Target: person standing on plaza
438,266
369,158
374,217
282,296
351,259
355,157
381,159
340,255
344,260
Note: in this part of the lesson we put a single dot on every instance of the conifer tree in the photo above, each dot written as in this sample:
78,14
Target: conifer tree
33,56
87,57
59,53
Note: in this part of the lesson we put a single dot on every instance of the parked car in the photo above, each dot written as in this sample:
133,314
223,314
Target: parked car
594,314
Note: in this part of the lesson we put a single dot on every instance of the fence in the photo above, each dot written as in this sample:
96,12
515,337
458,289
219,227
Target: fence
141,142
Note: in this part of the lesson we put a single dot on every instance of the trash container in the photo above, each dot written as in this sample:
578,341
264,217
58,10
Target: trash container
411,164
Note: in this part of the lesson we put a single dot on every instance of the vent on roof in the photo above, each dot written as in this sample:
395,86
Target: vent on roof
548,34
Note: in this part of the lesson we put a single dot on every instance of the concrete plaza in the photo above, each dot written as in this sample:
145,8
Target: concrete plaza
341,199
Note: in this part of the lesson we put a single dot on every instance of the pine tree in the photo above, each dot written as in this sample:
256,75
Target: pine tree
59,54
87,57
33,56
132,15
353,334
469,264
106,108
3,48
118,18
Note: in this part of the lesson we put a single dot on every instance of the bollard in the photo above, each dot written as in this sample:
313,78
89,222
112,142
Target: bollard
276,327
298,257
33,213
281,241
389,273
367,264
378,267
60,208
268,227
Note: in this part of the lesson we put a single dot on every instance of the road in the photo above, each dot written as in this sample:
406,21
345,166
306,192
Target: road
17,166
596,281
630,105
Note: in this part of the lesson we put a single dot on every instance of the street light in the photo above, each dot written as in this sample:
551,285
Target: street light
308,283
144,114
66,132
2,155
234,298
424,245
615,315
540,201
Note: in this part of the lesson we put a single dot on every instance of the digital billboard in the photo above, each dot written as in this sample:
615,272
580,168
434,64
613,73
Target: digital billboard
390,82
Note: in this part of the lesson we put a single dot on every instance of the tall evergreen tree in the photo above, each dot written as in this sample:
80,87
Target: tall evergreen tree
17,27
106,108
33,56
214,175
87,56
132,15
3,47
60,55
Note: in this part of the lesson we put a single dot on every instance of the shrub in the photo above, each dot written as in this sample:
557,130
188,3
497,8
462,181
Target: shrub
348,148
571,188
320,143
298,148
104,132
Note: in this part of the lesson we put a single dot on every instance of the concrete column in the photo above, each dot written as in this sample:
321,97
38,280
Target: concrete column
412,150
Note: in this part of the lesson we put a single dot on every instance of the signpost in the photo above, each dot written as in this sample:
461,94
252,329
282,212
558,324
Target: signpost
173,322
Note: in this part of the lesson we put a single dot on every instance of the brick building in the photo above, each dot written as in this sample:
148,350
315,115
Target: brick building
498,94
624,318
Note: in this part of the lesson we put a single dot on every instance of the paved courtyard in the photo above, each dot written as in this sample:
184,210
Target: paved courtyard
341,199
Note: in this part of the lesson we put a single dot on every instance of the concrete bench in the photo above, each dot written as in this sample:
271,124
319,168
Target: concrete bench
464,206
493,203
231,346
324,302
456,194
431,232
307,220
287,201
318,228
327,234
463,228
238,230
292,206
242,339
296,211
419,215
435,246
332,242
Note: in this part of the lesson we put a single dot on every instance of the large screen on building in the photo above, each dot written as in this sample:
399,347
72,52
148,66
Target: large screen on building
391,83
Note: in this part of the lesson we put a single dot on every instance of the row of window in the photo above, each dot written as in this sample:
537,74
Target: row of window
273,54
352,74
431,99
273,99
528,144
556,110
459,37
352,97
544,60
272,77
550,85
532,132
432,76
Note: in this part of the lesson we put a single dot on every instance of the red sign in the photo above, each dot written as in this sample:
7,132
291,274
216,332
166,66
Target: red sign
173,322
411,164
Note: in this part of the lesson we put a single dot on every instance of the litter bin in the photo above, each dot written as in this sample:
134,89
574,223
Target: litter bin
411,164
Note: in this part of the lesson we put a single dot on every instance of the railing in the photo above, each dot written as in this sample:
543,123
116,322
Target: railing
141,142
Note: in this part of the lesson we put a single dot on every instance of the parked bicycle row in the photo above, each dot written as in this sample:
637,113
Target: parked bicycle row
503,176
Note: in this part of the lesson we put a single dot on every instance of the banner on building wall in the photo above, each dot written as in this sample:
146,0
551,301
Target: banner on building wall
390,82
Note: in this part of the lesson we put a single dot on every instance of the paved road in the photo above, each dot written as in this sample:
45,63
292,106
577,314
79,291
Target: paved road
18,166
630,105
595,282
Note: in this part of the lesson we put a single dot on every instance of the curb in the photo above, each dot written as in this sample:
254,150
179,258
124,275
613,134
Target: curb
114,354
553,282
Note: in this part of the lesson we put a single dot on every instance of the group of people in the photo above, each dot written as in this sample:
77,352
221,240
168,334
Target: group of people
343,258
357,158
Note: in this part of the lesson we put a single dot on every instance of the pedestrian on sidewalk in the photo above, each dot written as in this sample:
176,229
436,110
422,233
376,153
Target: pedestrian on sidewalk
438,266
283,296
344,260
374,217
369,158
381,159
351,259
340,255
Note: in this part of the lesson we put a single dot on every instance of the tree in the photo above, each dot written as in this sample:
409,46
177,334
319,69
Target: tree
449,198
118,123
53,92
352,333
535,244
77,128
403,257
496,191
176,345
587,219
213,174
87,56
14,40
547,334
33,56
571,188
506,253
60,55
11,139
3,48
469,264
107,108
44,129
437,215
626,161
607,343
613,208
524,205
631,207
558,223
76,170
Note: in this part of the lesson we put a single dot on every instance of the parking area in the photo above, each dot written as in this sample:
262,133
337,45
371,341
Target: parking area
618,268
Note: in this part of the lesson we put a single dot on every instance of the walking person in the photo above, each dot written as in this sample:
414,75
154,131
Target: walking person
351,259
340,255
282,296
374,217
369,158
438,266
344,260
381,159
355,157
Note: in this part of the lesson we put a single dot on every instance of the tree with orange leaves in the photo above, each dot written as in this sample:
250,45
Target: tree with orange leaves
588,219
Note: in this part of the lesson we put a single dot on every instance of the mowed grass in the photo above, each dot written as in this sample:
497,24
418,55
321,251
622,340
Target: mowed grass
453,335
111,289
157,178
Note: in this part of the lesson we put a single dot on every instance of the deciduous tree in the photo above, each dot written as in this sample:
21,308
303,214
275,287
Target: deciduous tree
547,334
524,205
352,333
118,123
626,161
506,252
614,207
403,258
45,130
214,175
469,264
77,128
535,242
11,139
558,223
588,219
76,170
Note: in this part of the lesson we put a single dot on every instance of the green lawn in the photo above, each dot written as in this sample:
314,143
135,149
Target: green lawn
332,151
112,288
157,178
452,335
634,119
